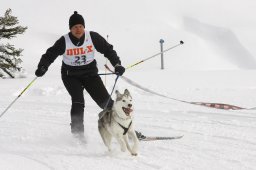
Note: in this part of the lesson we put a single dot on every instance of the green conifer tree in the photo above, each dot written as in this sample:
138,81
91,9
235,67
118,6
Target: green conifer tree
10,61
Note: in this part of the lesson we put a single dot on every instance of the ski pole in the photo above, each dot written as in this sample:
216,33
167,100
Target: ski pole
18,96
181,42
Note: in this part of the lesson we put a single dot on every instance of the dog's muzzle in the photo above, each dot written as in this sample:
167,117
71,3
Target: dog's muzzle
127,111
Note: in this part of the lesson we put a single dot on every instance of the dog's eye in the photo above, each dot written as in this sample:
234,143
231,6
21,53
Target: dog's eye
124,101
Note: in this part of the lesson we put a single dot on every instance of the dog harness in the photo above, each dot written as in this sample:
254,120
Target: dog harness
109,117
125,129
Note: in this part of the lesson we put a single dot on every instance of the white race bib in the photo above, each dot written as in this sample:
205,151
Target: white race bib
79,55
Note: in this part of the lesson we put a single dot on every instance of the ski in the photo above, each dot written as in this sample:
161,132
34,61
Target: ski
154,138
142,137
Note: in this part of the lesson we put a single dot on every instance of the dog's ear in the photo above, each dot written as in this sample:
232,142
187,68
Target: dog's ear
118,93
126,92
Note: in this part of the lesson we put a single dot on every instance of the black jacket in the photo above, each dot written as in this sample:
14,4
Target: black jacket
59,48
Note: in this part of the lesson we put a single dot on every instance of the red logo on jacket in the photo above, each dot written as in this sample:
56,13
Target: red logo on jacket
79,51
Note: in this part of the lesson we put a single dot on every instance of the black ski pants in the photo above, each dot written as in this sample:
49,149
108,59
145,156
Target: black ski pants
75,86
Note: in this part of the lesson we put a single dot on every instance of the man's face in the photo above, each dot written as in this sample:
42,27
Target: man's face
77,30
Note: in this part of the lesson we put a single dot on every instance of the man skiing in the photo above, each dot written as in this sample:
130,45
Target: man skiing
79,68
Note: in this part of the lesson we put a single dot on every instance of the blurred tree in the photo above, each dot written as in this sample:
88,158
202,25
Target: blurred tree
10,61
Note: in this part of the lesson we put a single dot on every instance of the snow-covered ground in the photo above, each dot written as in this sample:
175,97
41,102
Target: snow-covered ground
216,64
35,132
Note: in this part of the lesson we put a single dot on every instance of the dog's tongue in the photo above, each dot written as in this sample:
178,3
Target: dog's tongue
127,110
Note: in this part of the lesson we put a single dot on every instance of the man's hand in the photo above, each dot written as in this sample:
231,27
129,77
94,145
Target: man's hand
41,71
119,69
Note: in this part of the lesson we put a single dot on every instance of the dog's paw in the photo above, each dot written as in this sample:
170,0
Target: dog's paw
134,154
135,149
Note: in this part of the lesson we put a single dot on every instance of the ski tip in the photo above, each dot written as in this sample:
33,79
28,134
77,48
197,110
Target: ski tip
178,137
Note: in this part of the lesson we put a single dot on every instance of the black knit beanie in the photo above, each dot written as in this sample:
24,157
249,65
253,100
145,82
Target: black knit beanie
75,19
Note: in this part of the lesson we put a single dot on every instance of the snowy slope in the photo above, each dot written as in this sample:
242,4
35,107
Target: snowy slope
212,66
35,132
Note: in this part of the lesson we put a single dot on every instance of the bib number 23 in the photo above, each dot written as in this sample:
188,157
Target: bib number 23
80,59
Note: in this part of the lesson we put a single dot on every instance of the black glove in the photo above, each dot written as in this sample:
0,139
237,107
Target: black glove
41,70
119,69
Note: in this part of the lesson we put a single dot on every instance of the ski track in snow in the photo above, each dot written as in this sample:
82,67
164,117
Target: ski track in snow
36,131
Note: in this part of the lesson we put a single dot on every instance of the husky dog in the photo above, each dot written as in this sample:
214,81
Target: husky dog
118,123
